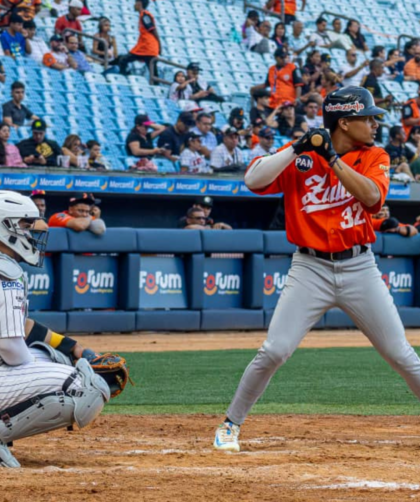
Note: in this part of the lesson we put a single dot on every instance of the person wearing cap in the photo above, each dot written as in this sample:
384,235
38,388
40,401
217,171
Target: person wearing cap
14,111
95,210
38,197
148,44
180,88
287,119
72,44
237,121
39,150
191,107
227,157
201,89
385,223
78,216
70,20
139,142
352,72
59,8
256,125
284,80
58,58
202,206
266,143
191,160
173,137
203,125
14,40
38,45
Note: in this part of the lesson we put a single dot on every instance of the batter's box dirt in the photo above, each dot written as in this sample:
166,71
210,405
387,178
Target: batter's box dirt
170,458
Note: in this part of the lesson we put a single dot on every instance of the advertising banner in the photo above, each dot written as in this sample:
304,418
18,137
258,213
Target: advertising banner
398,275
275,275
162,283
223,283
40,285
95,282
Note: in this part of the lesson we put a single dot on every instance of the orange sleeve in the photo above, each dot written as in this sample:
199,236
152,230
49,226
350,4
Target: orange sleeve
377,170
59,220
48,59
276,186
377,223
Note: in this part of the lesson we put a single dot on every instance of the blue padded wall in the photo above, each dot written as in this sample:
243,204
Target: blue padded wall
277,243
57,321
232,319
101,321
168,320
168,241
114,240
232,241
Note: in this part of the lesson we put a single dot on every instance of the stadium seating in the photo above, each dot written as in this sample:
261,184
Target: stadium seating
103,107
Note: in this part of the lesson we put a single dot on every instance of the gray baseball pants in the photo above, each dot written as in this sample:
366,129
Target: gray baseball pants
313,287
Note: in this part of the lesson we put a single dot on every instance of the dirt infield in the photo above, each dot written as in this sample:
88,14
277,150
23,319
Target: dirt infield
154,342
170,458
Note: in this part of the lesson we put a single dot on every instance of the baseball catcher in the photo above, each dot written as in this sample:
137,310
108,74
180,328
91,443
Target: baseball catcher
333,181
47,381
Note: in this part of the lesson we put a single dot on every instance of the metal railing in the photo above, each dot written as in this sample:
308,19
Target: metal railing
104,61
404,35
265,11
153,64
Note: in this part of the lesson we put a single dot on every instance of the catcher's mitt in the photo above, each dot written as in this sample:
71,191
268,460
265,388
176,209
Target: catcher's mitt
112,368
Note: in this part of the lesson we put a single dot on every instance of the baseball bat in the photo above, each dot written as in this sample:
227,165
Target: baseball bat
316,140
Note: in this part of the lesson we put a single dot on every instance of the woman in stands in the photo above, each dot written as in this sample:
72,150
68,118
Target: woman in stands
9,154
73,148
330,82
313,67
353,31
279,35
180,89
104,32
394,65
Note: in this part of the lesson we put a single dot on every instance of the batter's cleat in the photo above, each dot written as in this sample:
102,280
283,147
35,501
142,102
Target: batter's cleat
6,458
227,435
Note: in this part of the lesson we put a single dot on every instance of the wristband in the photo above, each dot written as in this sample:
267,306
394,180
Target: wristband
334,160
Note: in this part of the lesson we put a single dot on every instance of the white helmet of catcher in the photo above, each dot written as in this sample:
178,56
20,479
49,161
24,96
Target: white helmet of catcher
18,214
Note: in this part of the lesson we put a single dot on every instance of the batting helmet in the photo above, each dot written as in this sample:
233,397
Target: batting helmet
349,101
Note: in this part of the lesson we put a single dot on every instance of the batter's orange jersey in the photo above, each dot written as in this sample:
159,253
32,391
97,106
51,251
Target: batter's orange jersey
320,213
147,44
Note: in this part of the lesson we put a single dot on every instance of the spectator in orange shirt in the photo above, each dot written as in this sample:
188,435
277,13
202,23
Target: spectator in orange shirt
148,44
284,80
289,8
412,68
70,21
385,223
78,216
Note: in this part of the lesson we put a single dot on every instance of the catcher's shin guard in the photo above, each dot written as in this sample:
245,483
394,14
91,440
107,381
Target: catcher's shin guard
91,396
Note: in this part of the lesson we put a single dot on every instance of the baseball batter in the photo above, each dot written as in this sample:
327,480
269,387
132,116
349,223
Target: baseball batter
39,388
332,185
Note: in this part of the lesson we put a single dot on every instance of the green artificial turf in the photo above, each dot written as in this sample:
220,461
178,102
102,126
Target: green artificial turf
337,380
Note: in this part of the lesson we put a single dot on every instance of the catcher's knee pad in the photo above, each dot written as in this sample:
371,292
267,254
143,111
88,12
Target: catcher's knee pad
37,415
55,355
91,396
